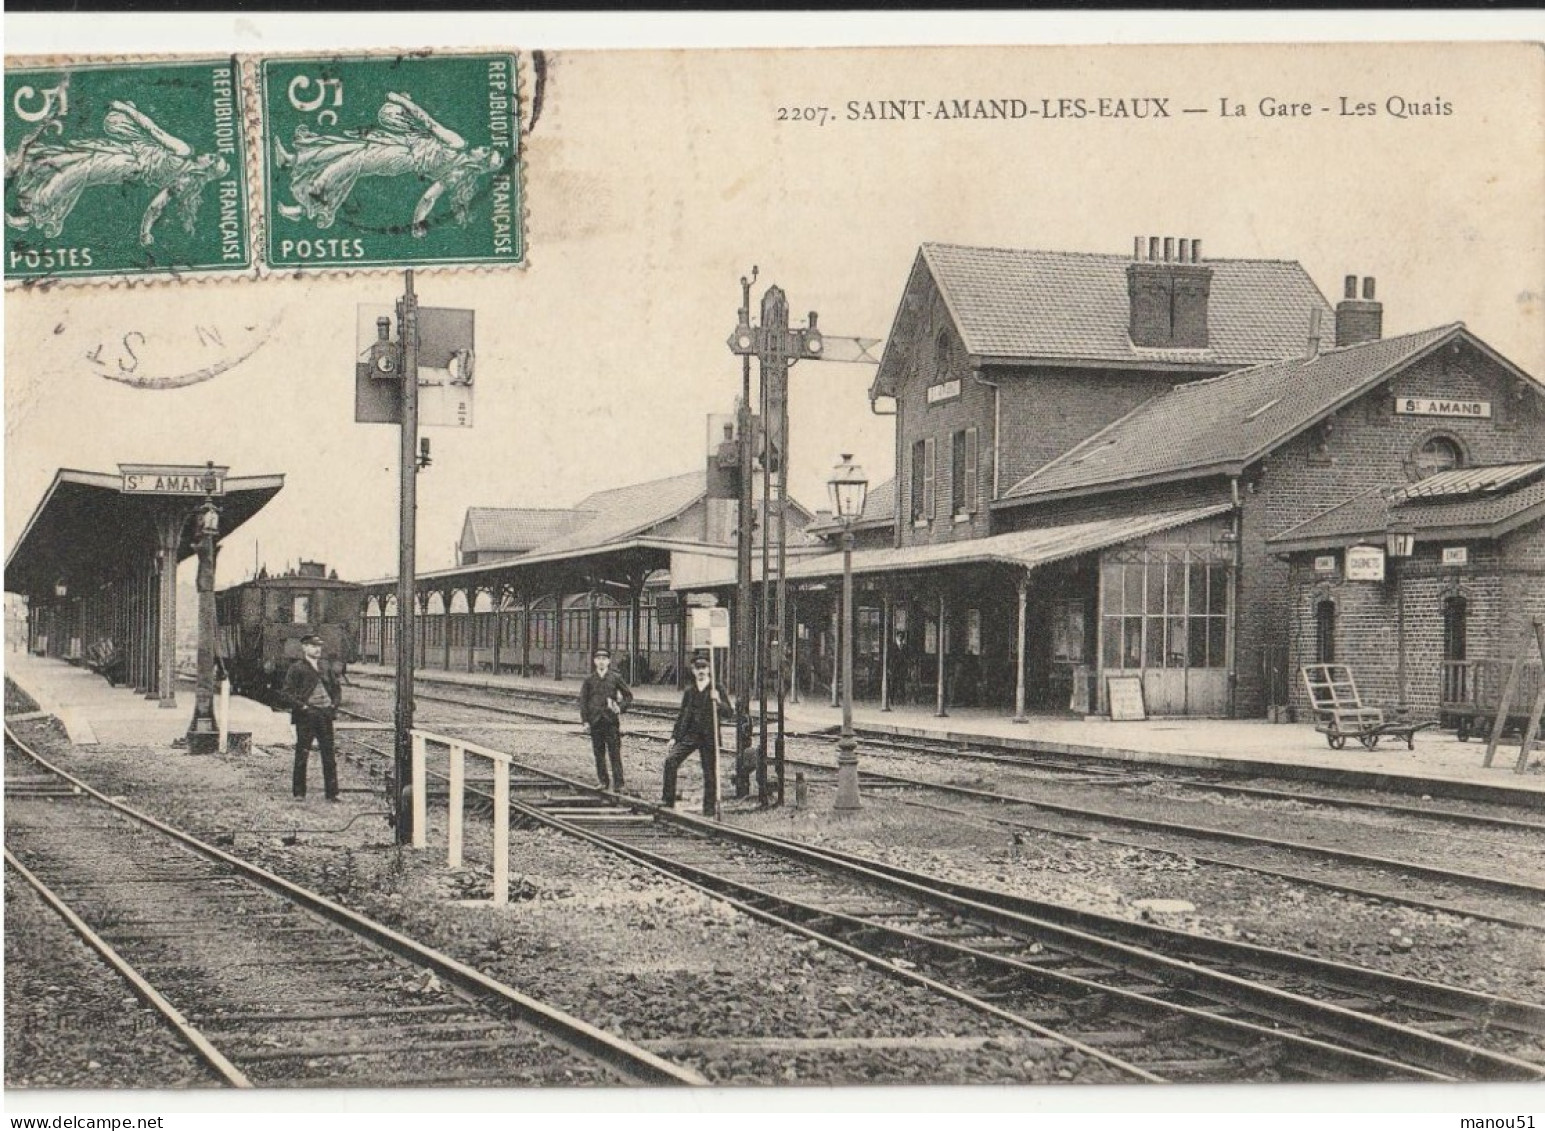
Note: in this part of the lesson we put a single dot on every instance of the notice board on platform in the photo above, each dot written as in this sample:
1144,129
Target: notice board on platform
1124,694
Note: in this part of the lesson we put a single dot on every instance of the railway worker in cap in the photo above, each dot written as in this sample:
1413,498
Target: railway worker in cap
312,692
696,729
603,697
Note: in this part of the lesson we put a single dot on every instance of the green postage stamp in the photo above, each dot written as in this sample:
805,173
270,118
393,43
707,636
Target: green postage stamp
125,169
391,160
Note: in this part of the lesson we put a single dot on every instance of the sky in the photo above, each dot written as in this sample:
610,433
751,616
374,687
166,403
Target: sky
655,179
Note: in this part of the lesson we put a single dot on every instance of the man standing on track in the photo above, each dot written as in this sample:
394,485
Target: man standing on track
603,697
696,729
312,692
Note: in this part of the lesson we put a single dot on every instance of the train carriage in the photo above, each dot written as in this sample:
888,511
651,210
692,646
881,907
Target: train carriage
262,621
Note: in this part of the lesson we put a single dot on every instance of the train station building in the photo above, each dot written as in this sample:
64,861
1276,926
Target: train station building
539,589
97,563
1098,460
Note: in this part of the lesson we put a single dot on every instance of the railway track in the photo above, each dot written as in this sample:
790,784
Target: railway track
1515,901
1167,1006
1526,898
271,984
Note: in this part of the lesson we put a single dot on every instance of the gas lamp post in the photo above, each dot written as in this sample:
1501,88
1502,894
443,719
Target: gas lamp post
848,486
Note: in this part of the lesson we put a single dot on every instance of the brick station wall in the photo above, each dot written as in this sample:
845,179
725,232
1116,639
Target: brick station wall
1368,621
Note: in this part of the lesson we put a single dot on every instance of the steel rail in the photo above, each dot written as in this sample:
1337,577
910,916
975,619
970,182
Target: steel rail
1346,1024
629,1060
1508,887
1223,862
186,1031
1124,778
1083,764
1427,871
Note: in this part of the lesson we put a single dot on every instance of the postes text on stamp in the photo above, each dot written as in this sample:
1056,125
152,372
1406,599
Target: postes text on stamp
391,161
124,169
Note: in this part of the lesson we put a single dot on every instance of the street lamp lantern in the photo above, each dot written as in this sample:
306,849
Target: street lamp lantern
1400,538
849,487
209,520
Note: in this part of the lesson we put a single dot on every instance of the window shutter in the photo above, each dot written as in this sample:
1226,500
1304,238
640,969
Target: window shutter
971,456
929,456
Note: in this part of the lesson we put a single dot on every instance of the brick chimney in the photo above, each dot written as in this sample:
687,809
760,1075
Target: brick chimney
1168,295
1359,320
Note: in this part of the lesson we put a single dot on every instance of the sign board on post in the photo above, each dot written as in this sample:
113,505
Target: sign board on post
711,628
1365,563
1124,695
445,368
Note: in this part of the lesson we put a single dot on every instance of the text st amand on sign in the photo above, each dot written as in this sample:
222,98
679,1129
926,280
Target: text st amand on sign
151,479
1365,563
1442,406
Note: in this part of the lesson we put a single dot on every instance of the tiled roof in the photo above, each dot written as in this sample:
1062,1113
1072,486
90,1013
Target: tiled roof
1460,482
1229,420
1369,514
515,529
624,511
1015,303
1022,547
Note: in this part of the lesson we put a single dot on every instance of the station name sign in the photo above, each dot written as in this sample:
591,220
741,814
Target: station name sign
945,390
151,479
1442,406
1365,563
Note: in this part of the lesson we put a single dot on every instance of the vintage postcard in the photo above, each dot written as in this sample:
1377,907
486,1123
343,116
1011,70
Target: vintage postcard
1013,564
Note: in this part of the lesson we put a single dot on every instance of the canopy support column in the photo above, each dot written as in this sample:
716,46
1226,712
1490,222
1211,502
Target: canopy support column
1019,651
169,534
940,709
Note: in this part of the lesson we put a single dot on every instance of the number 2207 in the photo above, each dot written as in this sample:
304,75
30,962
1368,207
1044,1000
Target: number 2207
816,114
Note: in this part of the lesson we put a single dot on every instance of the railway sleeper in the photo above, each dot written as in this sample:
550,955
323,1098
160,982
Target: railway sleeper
321,1052
336,1014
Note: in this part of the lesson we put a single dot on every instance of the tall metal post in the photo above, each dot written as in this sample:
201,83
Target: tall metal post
745,651
847,744
407,329
204,729
169,527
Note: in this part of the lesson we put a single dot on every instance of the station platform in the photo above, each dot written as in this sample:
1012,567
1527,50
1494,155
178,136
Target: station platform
1440,764
94,713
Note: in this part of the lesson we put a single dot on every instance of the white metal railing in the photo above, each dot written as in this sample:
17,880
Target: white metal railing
458,749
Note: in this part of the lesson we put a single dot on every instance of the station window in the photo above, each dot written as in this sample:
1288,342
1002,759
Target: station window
1439,453
922,480
1325,632
963,472
1165,611
300,609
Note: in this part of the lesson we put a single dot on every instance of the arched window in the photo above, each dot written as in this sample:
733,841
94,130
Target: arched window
1456,612
1325,632
941,355
1439,453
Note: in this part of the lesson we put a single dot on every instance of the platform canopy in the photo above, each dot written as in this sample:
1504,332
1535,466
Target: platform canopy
91,526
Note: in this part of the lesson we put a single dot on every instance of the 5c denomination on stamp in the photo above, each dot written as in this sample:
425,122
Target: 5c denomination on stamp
124,169
391,160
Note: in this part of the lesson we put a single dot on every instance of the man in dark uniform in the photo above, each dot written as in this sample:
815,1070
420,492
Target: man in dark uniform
696,729
311,689
603,697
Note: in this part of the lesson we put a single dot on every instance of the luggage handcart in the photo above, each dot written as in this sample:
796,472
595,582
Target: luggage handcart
1334,697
